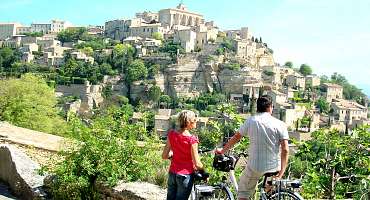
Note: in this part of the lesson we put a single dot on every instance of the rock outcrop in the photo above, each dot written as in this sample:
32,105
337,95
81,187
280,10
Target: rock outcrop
20,173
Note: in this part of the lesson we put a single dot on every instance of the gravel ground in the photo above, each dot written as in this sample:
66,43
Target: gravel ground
44,158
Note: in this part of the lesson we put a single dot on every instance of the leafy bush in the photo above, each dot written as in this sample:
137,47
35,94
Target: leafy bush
330,155
107,151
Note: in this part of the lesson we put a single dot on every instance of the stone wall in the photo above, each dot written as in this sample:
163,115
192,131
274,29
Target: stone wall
185,79
90,95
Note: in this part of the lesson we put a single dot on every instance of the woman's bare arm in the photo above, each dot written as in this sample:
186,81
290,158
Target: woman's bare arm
195,157
166,151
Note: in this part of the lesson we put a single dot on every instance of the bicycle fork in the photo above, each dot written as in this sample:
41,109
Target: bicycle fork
233,179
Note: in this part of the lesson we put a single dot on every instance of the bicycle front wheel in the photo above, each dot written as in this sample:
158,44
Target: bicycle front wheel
285,194
221,193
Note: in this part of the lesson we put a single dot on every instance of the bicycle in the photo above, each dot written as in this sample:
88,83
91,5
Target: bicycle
268,190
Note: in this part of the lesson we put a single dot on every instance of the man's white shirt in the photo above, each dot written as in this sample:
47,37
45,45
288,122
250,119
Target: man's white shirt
265,133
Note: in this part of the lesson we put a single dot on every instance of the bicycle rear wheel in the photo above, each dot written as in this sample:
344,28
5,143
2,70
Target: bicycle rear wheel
285,195
221,193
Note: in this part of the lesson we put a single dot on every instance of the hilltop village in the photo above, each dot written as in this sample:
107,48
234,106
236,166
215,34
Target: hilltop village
185,57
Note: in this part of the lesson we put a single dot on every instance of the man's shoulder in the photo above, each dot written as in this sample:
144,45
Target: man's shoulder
277,121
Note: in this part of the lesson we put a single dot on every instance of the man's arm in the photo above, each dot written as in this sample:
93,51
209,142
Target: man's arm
284,157
230,143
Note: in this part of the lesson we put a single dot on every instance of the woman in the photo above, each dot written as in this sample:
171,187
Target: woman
182,149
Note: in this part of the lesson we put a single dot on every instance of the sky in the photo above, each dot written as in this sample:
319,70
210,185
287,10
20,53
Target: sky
329,35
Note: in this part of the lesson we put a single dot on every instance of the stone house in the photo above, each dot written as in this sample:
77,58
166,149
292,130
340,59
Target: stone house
277,97
82,57
245,48
8,30
27,57
332,91
296,80
290,92
162,121
271,75
29,48
187,39
313,80
289,113
13,42
347,111
205,33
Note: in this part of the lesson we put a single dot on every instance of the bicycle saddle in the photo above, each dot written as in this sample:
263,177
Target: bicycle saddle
269,174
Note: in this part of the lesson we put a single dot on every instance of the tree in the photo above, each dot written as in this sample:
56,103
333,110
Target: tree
165,99
8,57
71,35
323,105
30,103
305,70
34,34
154,93
157,36
289,64
136,71
88,51
153,70
227,44
122,56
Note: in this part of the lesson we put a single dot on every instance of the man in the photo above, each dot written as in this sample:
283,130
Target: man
268,150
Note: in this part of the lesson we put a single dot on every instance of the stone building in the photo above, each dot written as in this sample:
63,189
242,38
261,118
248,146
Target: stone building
277,97
13,42
41,27
82,57
245,48
148,16
115,29
205,33
8,30
271,75
23,30
313,80
55,26
296,81
289,113
187,39
90,95
332,91
180,16
146,30
347,111
162,121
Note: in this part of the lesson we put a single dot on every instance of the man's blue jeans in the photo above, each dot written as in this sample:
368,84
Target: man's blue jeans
179,186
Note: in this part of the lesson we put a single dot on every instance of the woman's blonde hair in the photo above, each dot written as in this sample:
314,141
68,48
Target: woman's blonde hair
185,117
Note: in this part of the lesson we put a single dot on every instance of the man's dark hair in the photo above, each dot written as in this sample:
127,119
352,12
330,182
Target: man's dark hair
263,103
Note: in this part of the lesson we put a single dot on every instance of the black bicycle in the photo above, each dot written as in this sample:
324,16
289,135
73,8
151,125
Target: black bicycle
268,187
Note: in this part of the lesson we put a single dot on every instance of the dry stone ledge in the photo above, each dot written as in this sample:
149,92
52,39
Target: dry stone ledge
133,191
21,173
